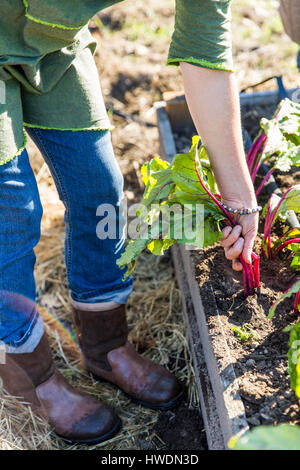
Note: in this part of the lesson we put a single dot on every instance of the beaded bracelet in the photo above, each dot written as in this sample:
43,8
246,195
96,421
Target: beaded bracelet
241,211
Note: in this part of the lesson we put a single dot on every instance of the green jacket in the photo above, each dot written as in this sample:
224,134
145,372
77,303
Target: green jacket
48,77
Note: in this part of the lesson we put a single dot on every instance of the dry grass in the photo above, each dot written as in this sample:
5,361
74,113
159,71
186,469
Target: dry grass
155,321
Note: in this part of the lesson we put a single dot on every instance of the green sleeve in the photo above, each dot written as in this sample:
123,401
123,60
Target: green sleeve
202,34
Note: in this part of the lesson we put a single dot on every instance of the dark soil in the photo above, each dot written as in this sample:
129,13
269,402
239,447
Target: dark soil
251,117
181,429
261,366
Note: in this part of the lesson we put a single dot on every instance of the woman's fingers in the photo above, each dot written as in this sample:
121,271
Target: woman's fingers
234,251
226,231
239,240
237,265
248,246
230,235
233,245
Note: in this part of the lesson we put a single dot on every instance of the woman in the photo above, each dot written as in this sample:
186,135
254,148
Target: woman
52,88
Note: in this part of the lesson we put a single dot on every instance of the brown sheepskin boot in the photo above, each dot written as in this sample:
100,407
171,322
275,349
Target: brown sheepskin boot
108,355
74,415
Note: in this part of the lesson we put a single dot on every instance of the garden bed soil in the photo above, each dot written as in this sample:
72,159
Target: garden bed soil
181,429
251,116
261,367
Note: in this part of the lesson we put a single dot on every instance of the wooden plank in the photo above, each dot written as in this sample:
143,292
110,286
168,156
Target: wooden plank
267,97
231,410
177,110
177,98
166,141
207,398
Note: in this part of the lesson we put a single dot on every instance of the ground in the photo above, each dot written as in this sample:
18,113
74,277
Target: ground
133,42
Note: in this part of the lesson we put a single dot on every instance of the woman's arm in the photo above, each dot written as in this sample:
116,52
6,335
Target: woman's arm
213,101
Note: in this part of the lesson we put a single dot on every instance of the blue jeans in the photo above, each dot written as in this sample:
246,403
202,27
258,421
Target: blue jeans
86,175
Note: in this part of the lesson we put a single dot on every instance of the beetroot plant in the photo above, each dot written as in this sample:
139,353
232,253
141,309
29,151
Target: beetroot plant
186,183
278,142
276,437
277,208
294,289
294,355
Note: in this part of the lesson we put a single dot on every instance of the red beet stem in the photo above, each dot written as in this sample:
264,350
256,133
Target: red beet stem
286,243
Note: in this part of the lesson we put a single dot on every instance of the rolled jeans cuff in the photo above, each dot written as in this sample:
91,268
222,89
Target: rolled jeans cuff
29,340
119,296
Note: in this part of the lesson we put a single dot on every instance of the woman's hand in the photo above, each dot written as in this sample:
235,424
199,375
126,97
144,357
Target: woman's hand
213,100
239,240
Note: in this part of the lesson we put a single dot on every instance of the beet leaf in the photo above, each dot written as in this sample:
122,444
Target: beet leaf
294,289
294,356
277,208
276,437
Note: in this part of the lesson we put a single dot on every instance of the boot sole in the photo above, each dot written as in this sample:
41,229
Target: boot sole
162,407
97,440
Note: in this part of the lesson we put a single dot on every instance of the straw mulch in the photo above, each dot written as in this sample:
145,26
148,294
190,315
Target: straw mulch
156,329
